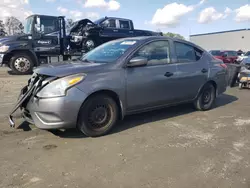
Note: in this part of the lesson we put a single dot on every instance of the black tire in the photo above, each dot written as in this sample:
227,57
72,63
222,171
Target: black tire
97,116
88,47
206,97
241,85
27,61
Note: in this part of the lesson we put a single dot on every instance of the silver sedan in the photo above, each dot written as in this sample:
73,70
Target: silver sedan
119,78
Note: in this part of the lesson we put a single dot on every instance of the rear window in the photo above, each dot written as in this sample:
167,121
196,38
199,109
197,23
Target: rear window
231,53
216,53
124,24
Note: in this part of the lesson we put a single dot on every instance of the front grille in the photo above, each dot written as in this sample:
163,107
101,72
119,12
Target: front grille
38,81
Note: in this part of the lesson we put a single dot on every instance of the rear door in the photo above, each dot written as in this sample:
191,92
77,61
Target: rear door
192,69
154,84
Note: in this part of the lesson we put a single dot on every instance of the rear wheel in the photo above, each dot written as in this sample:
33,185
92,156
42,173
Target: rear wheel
206,98
97,116
21,63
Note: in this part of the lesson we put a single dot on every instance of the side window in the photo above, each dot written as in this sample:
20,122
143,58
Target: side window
157,53
110,23
50,24
124,24
198,54
187,53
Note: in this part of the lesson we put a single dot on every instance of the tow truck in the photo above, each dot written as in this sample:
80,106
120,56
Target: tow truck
46,37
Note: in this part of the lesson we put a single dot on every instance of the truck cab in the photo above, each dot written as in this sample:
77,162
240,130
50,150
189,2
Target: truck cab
43,37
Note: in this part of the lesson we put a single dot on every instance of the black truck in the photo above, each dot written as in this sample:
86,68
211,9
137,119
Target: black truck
46,36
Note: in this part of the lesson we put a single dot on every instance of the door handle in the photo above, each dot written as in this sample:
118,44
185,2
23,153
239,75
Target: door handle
115,30
168,74
204,70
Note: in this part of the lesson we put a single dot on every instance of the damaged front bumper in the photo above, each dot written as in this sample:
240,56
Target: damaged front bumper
49,113
25,94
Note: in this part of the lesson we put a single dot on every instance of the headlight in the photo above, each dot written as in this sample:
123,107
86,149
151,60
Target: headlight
4,48
60,86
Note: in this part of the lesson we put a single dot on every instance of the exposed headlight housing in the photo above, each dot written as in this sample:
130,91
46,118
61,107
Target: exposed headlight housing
59,87
4,48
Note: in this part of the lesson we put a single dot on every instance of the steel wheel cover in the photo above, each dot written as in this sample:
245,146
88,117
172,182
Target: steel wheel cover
90,44
22,64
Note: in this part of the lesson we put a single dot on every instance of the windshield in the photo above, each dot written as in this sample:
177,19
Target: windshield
28,25
99,21
109,52
246,61
216,53
247,54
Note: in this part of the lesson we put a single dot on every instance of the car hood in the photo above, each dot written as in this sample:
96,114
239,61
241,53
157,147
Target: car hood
66,68
81,23
7,39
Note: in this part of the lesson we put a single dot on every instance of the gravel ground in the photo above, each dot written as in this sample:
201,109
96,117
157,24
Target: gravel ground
174,147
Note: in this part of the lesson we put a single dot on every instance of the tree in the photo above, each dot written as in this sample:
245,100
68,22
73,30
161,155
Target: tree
2,29
69,23
13,26
174,35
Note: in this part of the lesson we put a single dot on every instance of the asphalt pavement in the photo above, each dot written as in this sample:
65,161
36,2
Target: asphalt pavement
173,147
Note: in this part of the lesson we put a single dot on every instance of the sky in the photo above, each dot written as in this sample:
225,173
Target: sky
186,17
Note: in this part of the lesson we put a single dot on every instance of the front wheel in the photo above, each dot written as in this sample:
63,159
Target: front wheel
89,44
206,98
21,63
240,85
97,116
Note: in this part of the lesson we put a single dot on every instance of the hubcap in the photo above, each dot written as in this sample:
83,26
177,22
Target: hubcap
99,116
90,44
206,97
22,64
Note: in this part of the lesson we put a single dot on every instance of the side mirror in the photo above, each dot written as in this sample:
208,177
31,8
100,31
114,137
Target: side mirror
137,61
38,24
224,55
42,28
38,28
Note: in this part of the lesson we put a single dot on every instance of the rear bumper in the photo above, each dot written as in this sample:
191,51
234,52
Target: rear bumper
55,113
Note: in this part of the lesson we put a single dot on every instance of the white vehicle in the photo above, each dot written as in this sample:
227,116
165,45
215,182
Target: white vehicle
243,56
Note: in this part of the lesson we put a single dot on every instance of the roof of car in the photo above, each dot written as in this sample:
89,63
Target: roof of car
149,38
153,38
110,17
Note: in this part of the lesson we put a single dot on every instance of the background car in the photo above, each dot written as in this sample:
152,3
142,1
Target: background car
119,78
243,56
227,56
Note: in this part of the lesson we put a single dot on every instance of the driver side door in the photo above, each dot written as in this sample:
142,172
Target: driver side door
153,85
47,42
